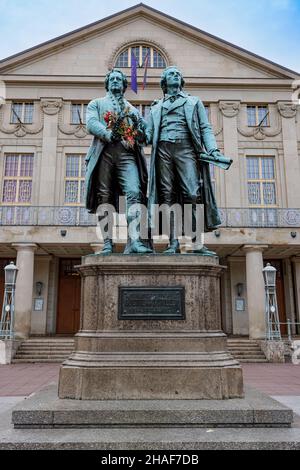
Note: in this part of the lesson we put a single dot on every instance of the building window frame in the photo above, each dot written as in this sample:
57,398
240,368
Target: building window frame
24,110
157,58
262,180
20,172
254,115
143,109
74,118
78,177
207,110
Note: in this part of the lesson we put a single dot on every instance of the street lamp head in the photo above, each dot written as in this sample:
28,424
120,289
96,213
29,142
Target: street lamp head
269,273
10,271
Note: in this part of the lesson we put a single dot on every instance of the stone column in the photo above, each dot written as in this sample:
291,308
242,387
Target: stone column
288,112
230,110
23,299
296,262
255,290
51,109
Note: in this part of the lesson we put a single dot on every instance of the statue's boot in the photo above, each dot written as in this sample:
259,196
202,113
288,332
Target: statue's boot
204,251
173,247
107,248
137,246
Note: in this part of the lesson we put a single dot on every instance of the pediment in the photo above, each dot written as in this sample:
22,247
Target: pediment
90,50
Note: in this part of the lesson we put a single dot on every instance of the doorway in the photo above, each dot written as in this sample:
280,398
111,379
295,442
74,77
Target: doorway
68,304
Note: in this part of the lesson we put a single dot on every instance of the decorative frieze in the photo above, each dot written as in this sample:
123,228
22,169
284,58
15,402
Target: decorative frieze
19,129
77,130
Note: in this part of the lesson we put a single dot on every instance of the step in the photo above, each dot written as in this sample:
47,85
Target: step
44,348
243,349
31,361
252,361
48,343
39,355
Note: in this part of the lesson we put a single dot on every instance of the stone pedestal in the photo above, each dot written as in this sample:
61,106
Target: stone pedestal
121,359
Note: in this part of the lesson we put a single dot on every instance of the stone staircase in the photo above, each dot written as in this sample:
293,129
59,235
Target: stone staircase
56,349
44,349
245,350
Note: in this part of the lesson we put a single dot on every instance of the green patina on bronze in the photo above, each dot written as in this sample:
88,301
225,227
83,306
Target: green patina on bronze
183,146
113,168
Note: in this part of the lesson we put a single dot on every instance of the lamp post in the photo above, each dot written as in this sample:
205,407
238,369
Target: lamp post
7,316
271,309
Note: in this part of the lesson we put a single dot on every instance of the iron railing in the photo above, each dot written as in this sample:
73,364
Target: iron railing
293,329
78,216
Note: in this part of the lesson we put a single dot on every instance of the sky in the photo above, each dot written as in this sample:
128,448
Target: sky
270,28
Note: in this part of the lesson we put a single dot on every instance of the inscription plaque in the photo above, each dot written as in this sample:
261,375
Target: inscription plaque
151,303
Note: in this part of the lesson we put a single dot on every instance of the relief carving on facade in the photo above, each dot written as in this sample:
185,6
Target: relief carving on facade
229,108
287,109
19,129
51,107
218,125
78,130
260,132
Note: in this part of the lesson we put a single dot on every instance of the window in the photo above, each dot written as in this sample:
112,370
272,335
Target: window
207,109
261,181
21,112
258,115
17,182
74,180
78,113
155,60
144,109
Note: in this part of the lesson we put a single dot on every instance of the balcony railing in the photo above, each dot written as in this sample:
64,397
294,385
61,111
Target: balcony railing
75,216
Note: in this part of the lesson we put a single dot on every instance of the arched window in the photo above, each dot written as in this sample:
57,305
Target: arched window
155,60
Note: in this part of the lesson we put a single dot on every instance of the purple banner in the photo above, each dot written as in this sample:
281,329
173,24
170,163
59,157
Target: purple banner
134,85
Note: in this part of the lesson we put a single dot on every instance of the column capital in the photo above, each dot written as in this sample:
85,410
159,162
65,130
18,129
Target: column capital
24,246
250,248
229,108
51,106
287,109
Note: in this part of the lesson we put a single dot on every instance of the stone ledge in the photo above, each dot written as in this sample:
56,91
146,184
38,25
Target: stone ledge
45,410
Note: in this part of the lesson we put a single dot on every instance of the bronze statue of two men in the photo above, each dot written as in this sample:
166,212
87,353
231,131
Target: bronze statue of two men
183,146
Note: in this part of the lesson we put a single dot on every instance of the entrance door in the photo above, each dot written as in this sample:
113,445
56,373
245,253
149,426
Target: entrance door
279,292
68,305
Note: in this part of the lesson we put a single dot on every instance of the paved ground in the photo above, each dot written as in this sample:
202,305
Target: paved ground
282,381
24,379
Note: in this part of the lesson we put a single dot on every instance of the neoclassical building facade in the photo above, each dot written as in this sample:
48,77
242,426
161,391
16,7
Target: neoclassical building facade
43,142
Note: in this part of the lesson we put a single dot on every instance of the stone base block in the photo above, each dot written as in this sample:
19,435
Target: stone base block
44,410
133,381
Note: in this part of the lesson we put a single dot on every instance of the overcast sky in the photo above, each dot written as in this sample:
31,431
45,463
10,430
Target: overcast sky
270,28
